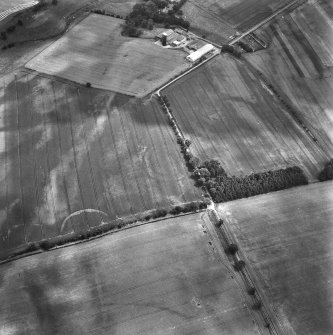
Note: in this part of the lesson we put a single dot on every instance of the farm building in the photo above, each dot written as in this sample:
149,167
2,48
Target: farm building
172,38
196,55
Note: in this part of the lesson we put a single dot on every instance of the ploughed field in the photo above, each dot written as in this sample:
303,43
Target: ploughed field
287,238
65,148
229,114
219,19
299,63
95,51
166,277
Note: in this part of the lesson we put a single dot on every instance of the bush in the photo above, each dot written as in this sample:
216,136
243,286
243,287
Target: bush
20,22
159,213
239,265
219,223
257,305
88,85
327,172
46,245
251,291
11,29
176,210
232,248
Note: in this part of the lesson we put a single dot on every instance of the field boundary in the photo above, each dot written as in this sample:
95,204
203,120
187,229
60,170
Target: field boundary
250,281
76,236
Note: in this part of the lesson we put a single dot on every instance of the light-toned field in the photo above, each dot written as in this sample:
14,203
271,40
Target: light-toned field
229,115
57,158
94,51
299,63
166,277
287,238
8,4
219,19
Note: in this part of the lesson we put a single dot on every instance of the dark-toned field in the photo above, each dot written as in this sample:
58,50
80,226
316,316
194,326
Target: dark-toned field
219,19
287,238
299,63
66,148
164,278
229,114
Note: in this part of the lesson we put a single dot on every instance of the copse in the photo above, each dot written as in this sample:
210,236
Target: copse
223,188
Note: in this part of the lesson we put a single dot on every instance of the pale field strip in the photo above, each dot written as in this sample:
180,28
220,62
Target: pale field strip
94,51
12,10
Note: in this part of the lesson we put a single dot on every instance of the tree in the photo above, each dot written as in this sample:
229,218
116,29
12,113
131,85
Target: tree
164,40
232,248
88,84
3,35
239,265
327,173
251,291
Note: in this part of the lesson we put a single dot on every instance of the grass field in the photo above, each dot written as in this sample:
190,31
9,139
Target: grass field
57,157
160,278
230,115
95,51
299,62
287,239
219,19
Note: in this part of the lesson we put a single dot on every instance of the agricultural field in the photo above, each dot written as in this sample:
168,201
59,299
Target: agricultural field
95,51
299,63
166,277
8,4
220,19
286,238
51,20
118,7
229,114
65,148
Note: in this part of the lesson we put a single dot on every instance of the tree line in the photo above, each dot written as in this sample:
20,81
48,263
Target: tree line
211,176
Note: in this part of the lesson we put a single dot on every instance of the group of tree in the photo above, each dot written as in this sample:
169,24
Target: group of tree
221,187
144,15
234,50
327,173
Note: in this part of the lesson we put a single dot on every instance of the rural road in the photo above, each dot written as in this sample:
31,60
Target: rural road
260,24
237,39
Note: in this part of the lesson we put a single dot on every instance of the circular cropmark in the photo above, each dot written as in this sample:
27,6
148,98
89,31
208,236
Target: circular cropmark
96,214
